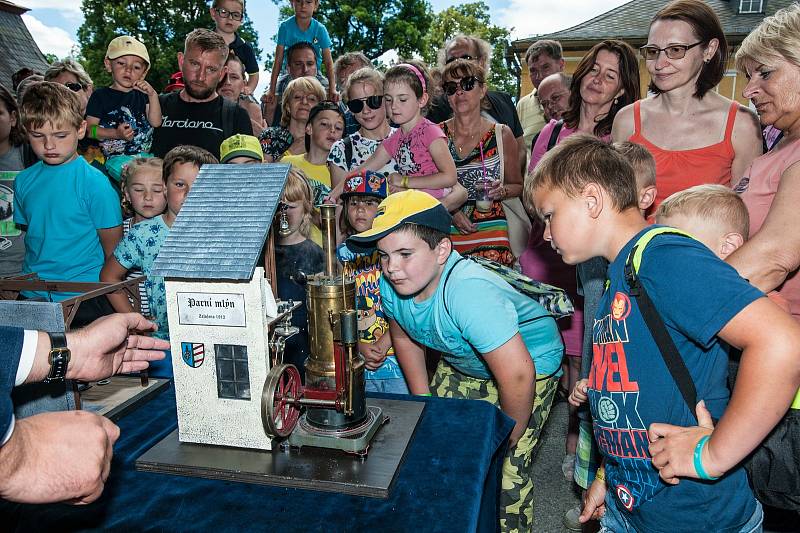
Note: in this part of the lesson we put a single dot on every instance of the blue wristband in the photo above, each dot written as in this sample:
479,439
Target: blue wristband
698,460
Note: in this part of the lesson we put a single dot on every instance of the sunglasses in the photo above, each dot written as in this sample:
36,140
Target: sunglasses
74,87
451,59
356,105
673,51
466,84
224,13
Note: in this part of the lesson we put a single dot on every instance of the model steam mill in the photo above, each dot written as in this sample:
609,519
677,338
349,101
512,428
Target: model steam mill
336,412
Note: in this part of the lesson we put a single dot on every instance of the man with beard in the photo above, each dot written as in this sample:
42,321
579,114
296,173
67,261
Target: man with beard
197,115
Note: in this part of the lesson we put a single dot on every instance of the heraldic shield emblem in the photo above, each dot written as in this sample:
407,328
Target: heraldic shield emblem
193,353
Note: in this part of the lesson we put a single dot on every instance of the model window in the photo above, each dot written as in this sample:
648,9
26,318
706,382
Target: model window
750,6
233,375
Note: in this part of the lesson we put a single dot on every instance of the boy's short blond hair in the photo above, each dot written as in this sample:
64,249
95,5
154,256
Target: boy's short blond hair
50,102
713,204
186,153
579,160
640,158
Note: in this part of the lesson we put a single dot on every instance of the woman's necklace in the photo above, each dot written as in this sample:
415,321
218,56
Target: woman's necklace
468,140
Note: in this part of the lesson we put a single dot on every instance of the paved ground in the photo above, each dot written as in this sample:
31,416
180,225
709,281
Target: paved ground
554,494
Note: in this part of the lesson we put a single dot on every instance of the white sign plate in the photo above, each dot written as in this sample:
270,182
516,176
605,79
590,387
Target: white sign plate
211,309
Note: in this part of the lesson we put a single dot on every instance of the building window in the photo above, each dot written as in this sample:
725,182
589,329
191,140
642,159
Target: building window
750,6
233,375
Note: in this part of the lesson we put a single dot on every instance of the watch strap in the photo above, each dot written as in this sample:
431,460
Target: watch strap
59,357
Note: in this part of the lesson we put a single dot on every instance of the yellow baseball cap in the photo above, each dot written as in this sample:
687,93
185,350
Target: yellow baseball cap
125,45
413,207
240,145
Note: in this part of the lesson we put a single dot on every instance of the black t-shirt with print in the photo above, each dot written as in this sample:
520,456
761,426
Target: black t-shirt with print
196,123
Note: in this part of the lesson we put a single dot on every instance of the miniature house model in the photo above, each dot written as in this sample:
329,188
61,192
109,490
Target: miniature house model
220,303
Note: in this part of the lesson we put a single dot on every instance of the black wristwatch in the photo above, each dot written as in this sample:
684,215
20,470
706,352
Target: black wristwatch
59,358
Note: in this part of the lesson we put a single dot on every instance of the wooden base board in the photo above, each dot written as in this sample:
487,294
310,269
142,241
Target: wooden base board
306,468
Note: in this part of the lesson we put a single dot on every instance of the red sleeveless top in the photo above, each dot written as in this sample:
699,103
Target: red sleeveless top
677,170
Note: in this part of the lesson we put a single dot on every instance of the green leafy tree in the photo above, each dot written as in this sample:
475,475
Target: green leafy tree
474,19
374,26
161,25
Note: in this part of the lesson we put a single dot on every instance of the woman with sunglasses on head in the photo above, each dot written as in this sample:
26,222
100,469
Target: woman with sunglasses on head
685,124
363,94
498,105
485,154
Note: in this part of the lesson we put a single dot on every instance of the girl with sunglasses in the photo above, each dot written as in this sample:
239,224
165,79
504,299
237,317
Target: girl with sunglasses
684,123
418,146
363,93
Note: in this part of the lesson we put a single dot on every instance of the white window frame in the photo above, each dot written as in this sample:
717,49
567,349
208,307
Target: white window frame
752,4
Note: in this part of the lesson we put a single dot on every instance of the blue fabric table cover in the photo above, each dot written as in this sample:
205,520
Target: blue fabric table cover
449,482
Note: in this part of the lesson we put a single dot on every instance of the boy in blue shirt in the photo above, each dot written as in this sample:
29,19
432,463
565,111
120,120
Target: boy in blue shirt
228,16
497,345
303,27
653,452
68,208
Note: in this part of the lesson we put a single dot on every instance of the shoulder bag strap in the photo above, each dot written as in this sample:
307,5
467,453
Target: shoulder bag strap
348,152
669,352
553,140
498,137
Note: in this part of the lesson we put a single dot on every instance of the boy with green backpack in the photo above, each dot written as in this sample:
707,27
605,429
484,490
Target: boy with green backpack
666,467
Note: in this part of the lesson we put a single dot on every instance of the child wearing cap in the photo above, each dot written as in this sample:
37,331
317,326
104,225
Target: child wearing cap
497,345
122,116
361,195
241,149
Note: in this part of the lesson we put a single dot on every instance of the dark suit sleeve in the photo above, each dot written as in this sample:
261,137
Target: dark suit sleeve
10,351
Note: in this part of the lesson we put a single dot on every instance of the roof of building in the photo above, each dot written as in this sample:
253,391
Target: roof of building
17,47
223,224
631,22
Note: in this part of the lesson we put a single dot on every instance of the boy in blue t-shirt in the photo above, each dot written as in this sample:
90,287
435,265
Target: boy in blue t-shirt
228,16
68,208
303,27
122,116
662,472
497,345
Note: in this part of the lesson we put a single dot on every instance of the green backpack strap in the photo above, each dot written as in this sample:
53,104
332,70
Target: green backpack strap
666,346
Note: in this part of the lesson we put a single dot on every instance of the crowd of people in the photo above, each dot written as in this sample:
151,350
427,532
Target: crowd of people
673,208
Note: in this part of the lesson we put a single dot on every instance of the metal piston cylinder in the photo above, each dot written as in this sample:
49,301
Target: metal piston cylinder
332,328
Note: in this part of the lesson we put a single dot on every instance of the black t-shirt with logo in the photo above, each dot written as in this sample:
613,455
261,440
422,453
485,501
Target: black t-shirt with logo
196,123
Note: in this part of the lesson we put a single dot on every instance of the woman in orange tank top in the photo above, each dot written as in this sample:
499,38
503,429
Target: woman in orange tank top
695,135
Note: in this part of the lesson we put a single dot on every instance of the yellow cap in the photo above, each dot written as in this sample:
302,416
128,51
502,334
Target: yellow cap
411,206
125,45
240,145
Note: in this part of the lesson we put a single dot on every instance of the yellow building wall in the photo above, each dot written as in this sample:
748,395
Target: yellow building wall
731,85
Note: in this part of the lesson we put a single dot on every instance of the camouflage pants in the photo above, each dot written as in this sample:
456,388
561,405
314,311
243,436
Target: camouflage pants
516,498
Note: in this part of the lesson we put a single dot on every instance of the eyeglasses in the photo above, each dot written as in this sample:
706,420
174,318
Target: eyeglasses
466,84
74,87
453,58
356,105
673,51
554,99
224,13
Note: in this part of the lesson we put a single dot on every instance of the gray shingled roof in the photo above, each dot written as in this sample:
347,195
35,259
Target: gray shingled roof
17,47
222,226
631,22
